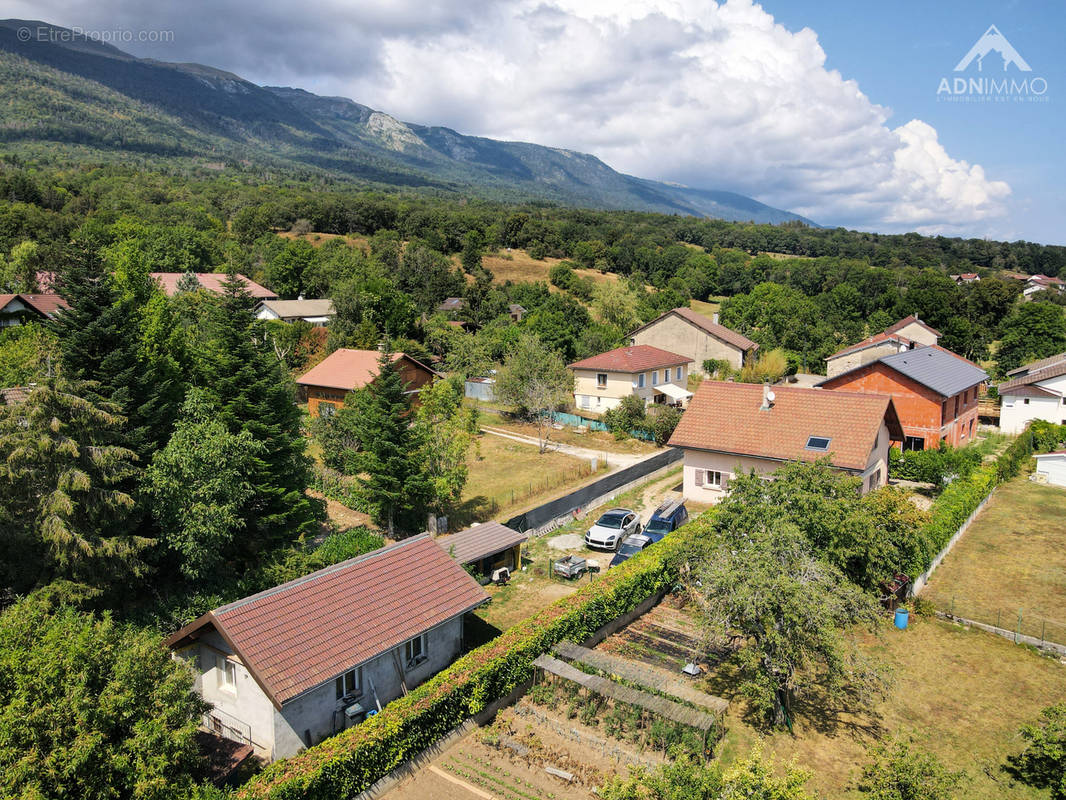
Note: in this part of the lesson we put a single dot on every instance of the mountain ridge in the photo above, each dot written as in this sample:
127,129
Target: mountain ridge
194,110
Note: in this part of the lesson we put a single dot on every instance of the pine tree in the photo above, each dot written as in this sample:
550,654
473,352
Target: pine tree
62,504
100,341
392,475
243,378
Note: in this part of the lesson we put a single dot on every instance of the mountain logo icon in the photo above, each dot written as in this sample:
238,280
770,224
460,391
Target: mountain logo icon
993,40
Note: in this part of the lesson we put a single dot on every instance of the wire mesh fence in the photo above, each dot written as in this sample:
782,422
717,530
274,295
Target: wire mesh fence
1019,621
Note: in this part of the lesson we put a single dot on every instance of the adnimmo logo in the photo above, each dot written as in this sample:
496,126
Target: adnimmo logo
1008,78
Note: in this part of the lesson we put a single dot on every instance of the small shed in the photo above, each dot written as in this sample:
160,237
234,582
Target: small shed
1051,467
483,389
487,546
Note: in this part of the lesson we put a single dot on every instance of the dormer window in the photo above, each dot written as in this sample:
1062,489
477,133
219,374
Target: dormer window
819,443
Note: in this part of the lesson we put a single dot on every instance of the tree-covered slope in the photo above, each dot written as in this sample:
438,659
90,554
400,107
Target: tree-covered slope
62,90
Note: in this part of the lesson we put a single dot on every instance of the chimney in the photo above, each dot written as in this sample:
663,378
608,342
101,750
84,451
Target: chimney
767,397
714,319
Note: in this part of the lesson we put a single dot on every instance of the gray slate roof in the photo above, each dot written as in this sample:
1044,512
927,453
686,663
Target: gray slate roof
943,372
480,541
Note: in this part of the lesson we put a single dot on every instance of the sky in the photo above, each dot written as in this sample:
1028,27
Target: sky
849,113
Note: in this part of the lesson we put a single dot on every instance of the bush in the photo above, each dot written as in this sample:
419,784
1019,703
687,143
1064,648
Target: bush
91,709
933,466
628,415
350,762
1043,762
900,771
718,368
664,419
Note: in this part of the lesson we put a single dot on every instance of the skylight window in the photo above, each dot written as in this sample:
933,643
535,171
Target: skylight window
820,443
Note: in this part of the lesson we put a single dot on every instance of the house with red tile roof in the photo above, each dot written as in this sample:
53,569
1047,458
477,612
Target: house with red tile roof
653,374
736,428
1034,391
683,331
288,667
1042,283
346,370
212,282
18,308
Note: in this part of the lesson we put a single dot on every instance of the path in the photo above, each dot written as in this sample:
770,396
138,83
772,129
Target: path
614,460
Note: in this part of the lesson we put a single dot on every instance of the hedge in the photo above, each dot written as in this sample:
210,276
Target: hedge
962,497
350,762
932,466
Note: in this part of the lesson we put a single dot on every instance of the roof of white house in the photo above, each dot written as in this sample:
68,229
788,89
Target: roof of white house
300,308
308,631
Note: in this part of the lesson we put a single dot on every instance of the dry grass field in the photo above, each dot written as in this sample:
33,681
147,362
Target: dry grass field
962,693
1012,557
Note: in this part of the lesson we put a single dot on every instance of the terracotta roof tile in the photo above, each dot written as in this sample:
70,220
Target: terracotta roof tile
728,418
1053,371
1033,366
303,633
728,335
480,541
870,341
46,304
903,323
212,282
349,369
635,358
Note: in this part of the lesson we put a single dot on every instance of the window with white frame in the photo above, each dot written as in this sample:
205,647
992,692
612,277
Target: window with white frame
601,380
227,673
679,373
414,651
640,380
350,683
655,377
583,400
709,479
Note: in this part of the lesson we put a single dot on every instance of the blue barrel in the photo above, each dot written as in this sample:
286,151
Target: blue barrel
901,618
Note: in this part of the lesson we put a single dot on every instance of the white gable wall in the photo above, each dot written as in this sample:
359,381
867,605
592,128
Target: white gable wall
1015,413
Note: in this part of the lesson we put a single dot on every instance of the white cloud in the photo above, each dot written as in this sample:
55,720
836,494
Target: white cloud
717,96
710,95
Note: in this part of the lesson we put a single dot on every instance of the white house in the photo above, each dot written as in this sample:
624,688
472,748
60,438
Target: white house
1034,391
288,667
653,374
737,428
317,312
1052,466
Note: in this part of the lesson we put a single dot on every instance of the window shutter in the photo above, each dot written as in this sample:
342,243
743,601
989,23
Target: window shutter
699,477
725,481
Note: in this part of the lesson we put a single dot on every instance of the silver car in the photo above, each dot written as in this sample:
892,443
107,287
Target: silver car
612,527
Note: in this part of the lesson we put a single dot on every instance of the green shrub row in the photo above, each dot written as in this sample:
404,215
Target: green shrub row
933,466
352,761
962,497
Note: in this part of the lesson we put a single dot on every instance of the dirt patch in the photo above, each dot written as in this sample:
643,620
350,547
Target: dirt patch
342,516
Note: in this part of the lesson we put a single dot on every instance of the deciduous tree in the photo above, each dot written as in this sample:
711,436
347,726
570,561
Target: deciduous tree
535,380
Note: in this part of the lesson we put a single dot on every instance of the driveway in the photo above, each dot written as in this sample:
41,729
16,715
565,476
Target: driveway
614,460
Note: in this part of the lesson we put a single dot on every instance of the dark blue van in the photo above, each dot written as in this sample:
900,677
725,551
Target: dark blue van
667,518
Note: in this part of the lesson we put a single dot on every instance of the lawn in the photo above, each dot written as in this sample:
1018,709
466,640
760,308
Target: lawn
704,308
506,477
962,693
601,441
1012,557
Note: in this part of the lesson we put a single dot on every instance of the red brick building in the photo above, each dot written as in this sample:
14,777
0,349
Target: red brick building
345,370
934,391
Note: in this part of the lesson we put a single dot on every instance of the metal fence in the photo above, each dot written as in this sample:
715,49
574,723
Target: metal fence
1009,620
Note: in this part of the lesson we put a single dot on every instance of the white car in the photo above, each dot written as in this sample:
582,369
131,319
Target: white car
612,527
